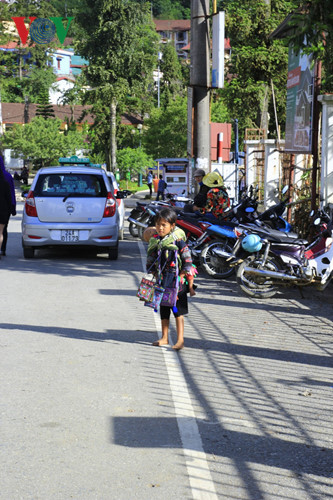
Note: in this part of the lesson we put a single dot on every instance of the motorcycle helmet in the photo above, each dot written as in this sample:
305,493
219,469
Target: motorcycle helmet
252,243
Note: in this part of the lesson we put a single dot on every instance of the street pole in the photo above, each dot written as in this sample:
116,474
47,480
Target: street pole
158,80
200,82
315,132
236,160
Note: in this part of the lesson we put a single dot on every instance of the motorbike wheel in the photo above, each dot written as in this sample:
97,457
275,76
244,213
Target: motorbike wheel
144,220
214,265
259,287
133,229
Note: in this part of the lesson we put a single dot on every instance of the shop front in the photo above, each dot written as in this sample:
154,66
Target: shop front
175,172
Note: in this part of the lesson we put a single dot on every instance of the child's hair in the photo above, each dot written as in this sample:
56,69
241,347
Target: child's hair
168,214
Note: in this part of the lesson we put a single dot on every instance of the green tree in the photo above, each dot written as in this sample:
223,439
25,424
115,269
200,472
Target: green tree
166,132
41,141
256,61
312,31
171,83
133,160
171,9
44,108
219,111
120,43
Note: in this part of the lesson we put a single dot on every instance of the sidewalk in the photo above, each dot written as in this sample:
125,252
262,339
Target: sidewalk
130,201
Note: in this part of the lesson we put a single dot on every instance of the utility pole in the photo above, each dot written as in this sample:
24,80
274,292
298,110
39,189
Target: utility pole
200,82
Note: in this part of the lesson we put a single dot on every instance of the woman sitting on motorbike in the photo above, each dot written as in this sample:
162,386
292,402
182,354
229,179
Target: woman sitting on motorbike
217,196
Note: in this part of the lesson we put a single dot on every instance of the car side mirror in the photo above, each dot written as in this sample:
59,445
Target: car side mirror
121,195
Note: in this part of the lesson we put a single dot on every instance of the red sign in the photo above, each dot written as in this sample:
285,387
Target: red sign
294,77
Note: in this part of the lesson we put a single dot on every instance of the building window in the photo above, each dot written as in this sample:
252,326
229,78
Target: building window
181,36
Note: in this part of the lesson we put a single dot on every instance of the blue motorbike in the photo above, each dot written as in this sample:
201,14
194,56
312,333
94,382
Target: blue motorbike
216,255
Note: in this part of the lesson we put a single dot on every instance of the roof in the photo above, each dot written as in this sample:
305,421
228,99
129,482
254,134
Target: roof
171,160
172,24
68,42
13,112
286,28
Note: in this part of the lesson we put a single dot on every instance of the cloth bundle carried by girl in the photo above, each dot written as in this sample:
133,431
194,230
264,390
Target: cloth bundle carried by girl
154,294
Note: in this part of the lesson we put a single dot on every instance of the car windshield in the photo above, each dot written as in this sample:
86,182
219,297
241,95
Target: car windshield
71,184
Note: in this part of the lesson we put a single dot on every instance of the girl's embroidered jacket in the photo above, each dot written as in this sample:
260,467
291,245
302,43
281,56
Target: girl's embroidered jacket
161,257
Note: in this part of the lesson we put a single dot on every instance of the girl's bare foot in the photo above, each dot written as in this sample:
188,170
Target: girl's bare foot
160,342
178,346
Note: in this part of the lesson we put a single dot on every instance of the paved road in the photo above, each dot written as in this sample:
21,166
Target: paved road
90,410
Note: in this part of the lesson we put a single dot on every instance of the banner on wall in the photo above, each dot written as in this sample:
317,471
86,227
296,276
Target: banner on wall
300,98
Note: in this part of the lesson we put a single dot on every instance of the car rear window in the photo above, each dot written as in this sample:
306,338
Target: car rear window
81,185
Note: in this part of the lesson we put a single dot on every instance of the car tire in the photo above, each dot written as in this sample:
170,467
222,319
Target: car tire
28,252
113,253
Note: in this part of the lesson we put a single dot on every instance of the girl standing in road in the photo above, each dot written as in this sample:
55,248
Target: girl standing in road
169,257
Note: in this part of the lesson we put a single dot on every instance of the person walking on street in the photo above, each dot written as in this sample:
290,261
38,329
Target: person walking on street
5,204
169,258
150,183
9,179
25,175
162,185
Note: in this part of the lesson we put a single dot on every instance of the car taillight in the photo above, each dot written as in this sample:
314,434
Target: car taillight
110,206
115,191
30,205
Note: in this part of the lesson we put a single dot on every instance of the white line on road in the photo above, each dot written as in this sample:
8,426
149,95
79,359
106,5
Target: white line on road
200,478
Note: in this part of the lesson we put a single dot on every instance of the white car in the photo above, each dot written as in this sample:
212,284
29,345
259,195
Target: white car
71,205
120,201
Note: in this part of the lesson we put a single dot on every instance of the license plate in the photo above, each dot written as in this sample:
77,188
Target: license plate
70,235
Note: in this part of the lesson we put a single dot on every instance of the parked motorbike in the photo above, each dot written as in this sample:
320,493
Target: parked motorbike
217,257
142,215
277,260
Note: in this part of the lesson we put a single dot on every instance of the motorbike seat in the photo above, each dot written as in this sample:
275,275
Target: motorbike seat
280,237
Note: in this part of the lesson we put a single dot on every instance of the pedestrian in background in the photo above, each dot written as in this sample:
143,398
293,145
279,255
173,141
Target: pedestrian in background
25,175
200,198
9,179
5,204
162,185
150,183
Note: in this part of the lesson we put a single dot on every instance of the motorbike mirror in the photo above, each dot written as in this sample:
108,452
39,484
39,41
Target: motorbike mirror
285,189
249,209
317,221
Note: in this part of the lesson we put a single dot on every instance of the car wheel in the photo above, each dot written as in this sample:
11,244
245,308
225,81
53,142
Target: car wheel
113,253
28,252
